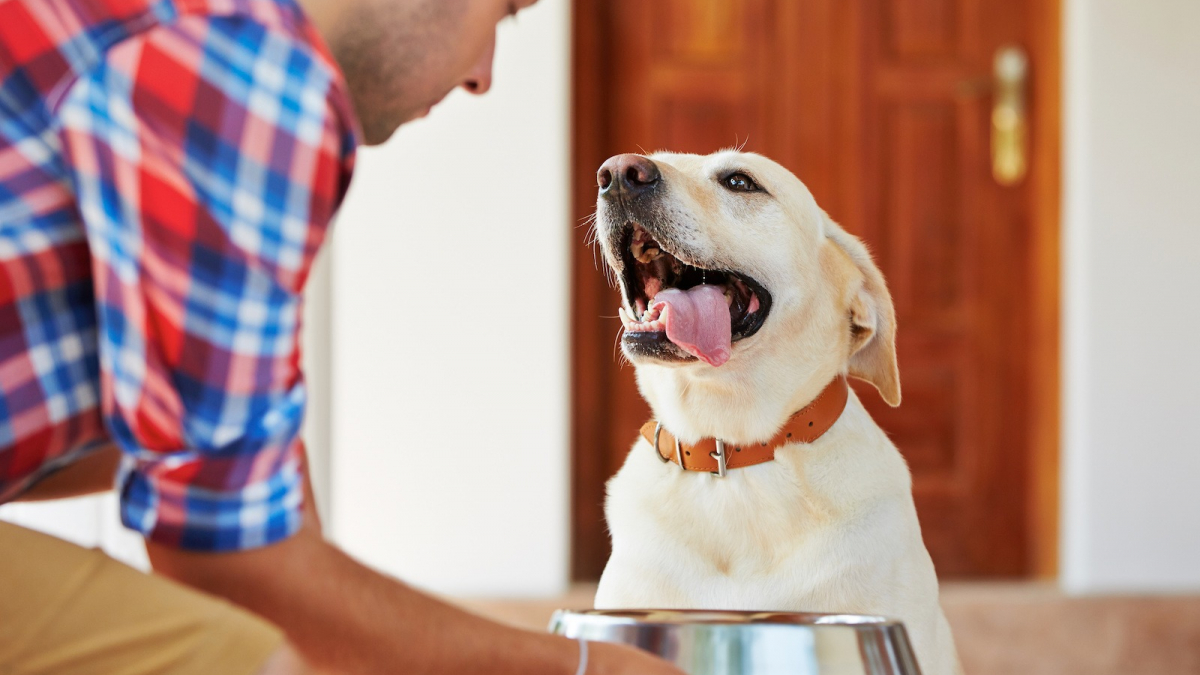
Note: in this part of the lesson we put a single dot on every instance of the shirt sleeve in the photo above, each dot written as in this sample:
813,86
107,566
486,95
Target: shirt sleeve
207,161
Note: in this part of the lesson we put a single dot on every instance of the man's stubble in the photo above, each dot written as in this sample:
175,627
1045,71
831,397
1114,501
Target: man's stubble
397,57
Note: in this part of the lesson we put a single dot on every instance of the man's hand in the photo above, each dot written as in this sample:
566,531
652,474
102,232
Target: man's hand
345,618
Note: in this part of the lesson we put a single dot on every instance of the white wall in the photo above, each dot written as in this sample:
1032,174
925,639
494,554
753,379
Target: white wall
450,320
93,522
316,342
1132,296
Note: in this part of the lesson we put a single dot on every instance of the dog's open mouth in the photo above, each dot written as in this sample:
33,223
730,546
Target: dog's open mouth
678,307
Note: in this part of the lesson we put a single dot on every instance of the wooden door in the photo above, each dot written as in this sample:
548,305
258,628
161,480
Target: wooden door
883,108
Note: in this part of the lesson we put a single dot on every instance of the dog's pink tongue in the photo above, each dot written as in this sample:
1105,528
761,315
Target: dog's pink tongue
698,321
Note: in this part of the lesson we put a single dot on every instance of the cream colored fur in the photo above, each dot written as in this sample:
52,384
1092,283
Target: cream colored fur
827,527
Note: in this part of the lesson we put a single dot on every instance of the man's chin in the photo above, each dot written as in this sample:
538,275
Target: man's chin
373,137
384,127
382,132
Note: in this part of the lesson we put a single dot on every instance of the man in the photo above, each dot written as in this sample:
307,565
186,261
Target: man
168,169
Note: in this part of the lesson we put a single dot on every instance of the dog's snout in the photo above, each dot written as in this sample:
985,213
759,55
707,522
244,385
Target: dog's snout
629,173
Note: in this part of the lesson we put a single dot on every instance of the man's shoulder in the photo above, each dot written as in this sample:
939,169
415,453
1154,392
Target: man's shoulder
196,54
49,44
264,46
280,16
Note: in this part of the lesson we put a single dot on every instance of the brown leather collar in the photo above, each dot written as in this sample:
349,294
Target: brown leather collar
805,426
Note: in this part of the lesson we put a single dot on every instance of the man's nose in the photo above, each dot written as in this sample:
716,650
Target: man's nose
479,79
627,174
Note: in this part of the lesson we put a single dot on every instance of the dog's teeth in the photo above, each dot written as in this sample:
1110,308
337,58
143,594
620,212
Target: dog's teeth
651,254
643,253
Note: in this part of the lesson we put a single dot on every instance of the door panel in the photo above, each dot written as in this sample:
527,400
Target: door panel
883,108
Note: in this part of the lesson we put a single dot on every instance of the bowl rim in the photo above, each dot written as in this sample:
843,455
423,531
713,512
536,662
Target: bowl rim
722,617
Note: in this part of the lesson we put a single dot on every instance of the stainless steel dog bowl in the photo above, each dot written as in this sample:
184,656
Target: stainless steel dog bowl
752,643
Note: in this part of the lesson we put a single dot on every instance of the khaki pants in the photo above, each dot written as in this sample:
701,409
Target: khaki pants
67,610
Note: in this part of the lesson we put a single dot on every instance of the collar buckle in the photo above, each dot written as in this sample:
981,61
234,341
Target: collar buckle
719,455
659,455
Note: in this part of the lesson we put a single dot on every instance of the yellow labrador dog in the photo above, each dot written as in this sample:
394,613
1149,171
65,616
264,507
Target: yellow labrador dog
762,483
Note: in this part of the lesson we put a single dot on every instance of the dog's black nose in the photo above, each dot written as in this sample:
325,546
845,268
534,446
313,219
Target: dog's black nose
630,174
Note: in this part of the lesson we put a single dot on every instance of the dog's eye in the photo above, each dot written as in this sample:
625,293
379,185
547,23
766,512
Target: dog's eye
740,182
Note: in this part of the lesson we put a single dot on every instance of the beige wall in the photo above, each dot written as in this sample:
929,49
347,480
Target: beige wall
1131,516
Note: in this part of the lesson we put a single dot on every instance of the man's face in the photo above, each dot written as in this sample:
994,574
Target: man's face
401,57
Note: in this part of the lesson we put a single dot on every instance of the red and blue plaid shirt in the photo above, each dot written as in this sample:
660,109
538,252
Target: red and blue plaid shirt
168,169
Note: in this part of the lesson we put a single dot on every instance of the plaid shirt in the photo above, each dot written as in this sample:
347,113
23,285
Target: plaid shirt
168,169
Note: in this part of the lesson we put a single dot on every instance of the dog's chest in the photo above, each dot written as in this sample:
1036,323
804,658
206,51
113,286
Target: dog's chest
776,535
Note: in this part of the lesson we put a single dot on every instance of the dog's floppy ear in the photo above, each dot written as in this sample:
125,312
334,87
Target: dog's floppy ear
872,322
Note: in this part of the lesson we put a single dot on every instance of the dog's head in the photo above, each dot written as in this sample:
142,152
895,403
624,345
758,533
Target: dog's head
734,278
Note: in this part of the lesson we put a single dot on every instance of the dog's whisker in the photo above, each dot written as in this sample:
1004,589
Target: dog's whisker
618,355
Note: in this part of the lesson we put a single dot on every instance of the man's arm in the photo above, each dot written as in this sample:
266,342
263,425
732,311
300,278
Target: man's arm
91,475
346,618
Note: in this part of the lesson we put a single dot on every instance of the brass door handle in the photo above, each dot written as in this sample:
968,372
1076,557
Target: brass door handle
1009,122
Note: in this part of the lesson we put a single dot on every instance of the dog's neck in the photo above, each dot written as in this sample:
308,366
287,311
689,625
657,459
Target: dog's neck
715,456
744,404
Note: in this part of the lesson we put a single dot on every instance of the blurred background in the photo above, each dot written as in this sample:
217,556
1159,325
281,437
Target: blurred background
1026,173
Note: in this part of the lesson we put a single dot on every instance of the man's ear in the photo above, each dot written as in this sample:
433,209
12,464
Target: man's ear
872,322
